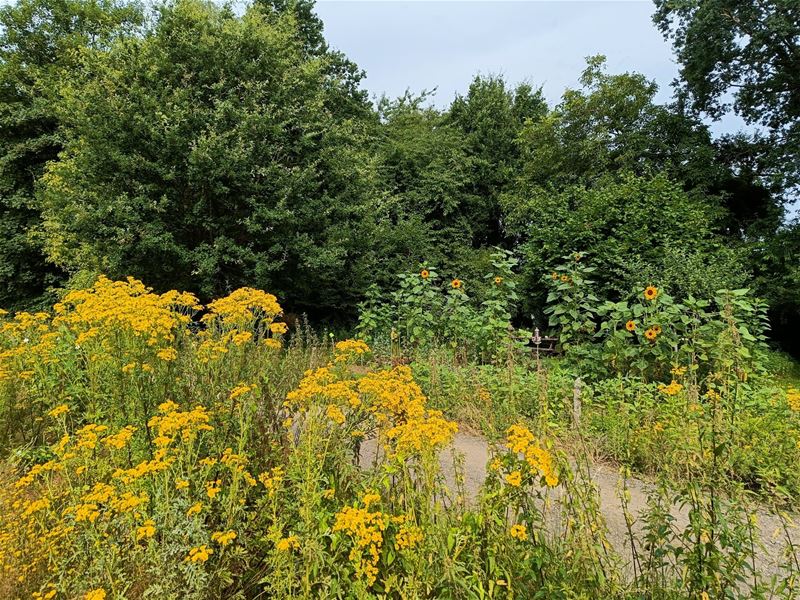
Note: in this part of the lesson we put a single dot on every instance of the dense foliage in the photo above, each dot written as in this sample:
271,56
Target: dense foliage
190,144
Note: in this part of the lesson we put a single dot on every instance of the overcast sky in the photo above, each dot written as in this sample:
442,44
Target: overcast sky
443,44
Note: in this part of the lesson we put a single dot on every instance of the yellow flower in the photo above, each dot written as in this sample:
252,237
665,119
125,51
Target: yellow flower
213,488
240,390
425,273
335,414
288,543
651,293
408,537
61,409
670,390
98,594
147,530
498,280
223,538
181,484
167,354
630,326
456,284
514,478
272,343
278,328
199,554
194,509
564,278
651,334
519,532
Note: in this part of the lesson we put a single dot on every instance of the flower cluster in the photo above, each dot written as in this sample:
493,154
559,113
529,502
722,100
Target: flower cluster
365,527
536,461
389,400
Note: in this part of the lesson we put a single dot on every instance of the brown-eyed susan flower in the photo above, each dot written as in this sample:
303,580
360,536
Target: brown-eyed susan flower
630,326
456,284
651,334
519,532
425,273
650,293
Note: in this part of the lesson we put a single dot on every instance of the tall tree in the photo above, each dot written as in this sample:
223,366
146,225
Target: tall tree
40,43
491,116
215,152
747,52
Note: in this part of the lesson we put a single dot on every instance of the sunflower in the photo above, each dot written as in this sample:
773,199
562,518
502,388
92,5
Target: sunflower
657,329
554,276
498,280
564,278
630,326
456,284
651,334
425,274
650,293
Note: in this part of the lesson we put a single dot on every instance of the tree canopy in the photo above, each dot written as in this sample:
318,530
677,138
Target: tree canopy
201,147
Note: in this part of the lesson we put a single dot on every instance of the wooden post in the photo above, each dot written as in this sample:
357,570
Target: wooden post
576,403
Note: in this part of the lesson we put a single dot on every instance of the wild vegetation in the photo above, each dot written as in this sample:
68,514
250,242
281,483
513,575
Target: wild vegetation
497,349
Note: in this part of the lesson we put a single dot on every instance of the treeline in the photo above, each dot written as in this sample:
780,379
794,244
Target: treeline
202,148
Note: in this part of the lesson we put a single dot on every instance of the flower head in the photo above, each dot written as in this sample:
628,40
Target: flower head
630,326
456,284
519,532
650,293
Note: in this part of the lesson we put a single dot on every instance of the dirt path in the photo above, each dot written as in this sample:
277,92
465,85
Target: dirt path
476,452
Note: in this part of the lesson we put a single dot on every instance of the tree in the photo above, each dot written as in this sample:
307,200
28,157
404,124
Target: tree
747,51
39,45
214,152
432,214
491,117
636,230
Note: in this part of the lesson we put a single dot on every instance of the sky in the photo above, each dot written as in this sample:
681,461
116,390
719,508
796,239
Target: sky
422,44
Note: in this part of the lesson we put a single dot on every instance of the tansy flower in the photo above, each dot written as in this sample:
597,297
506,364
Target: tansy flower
650,293
630,326
425,273
651,334
288,543
199,554
213,488
147,530
167,354
519,532
514,478
181,484
59,410
223,538
456,284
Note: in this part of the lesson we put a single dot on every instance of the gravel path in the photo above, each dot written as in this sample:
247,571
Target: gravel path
476,452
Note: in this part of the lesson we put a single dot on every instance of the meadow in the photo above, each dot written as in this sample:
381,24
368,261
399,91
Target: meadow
157,448
269,333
